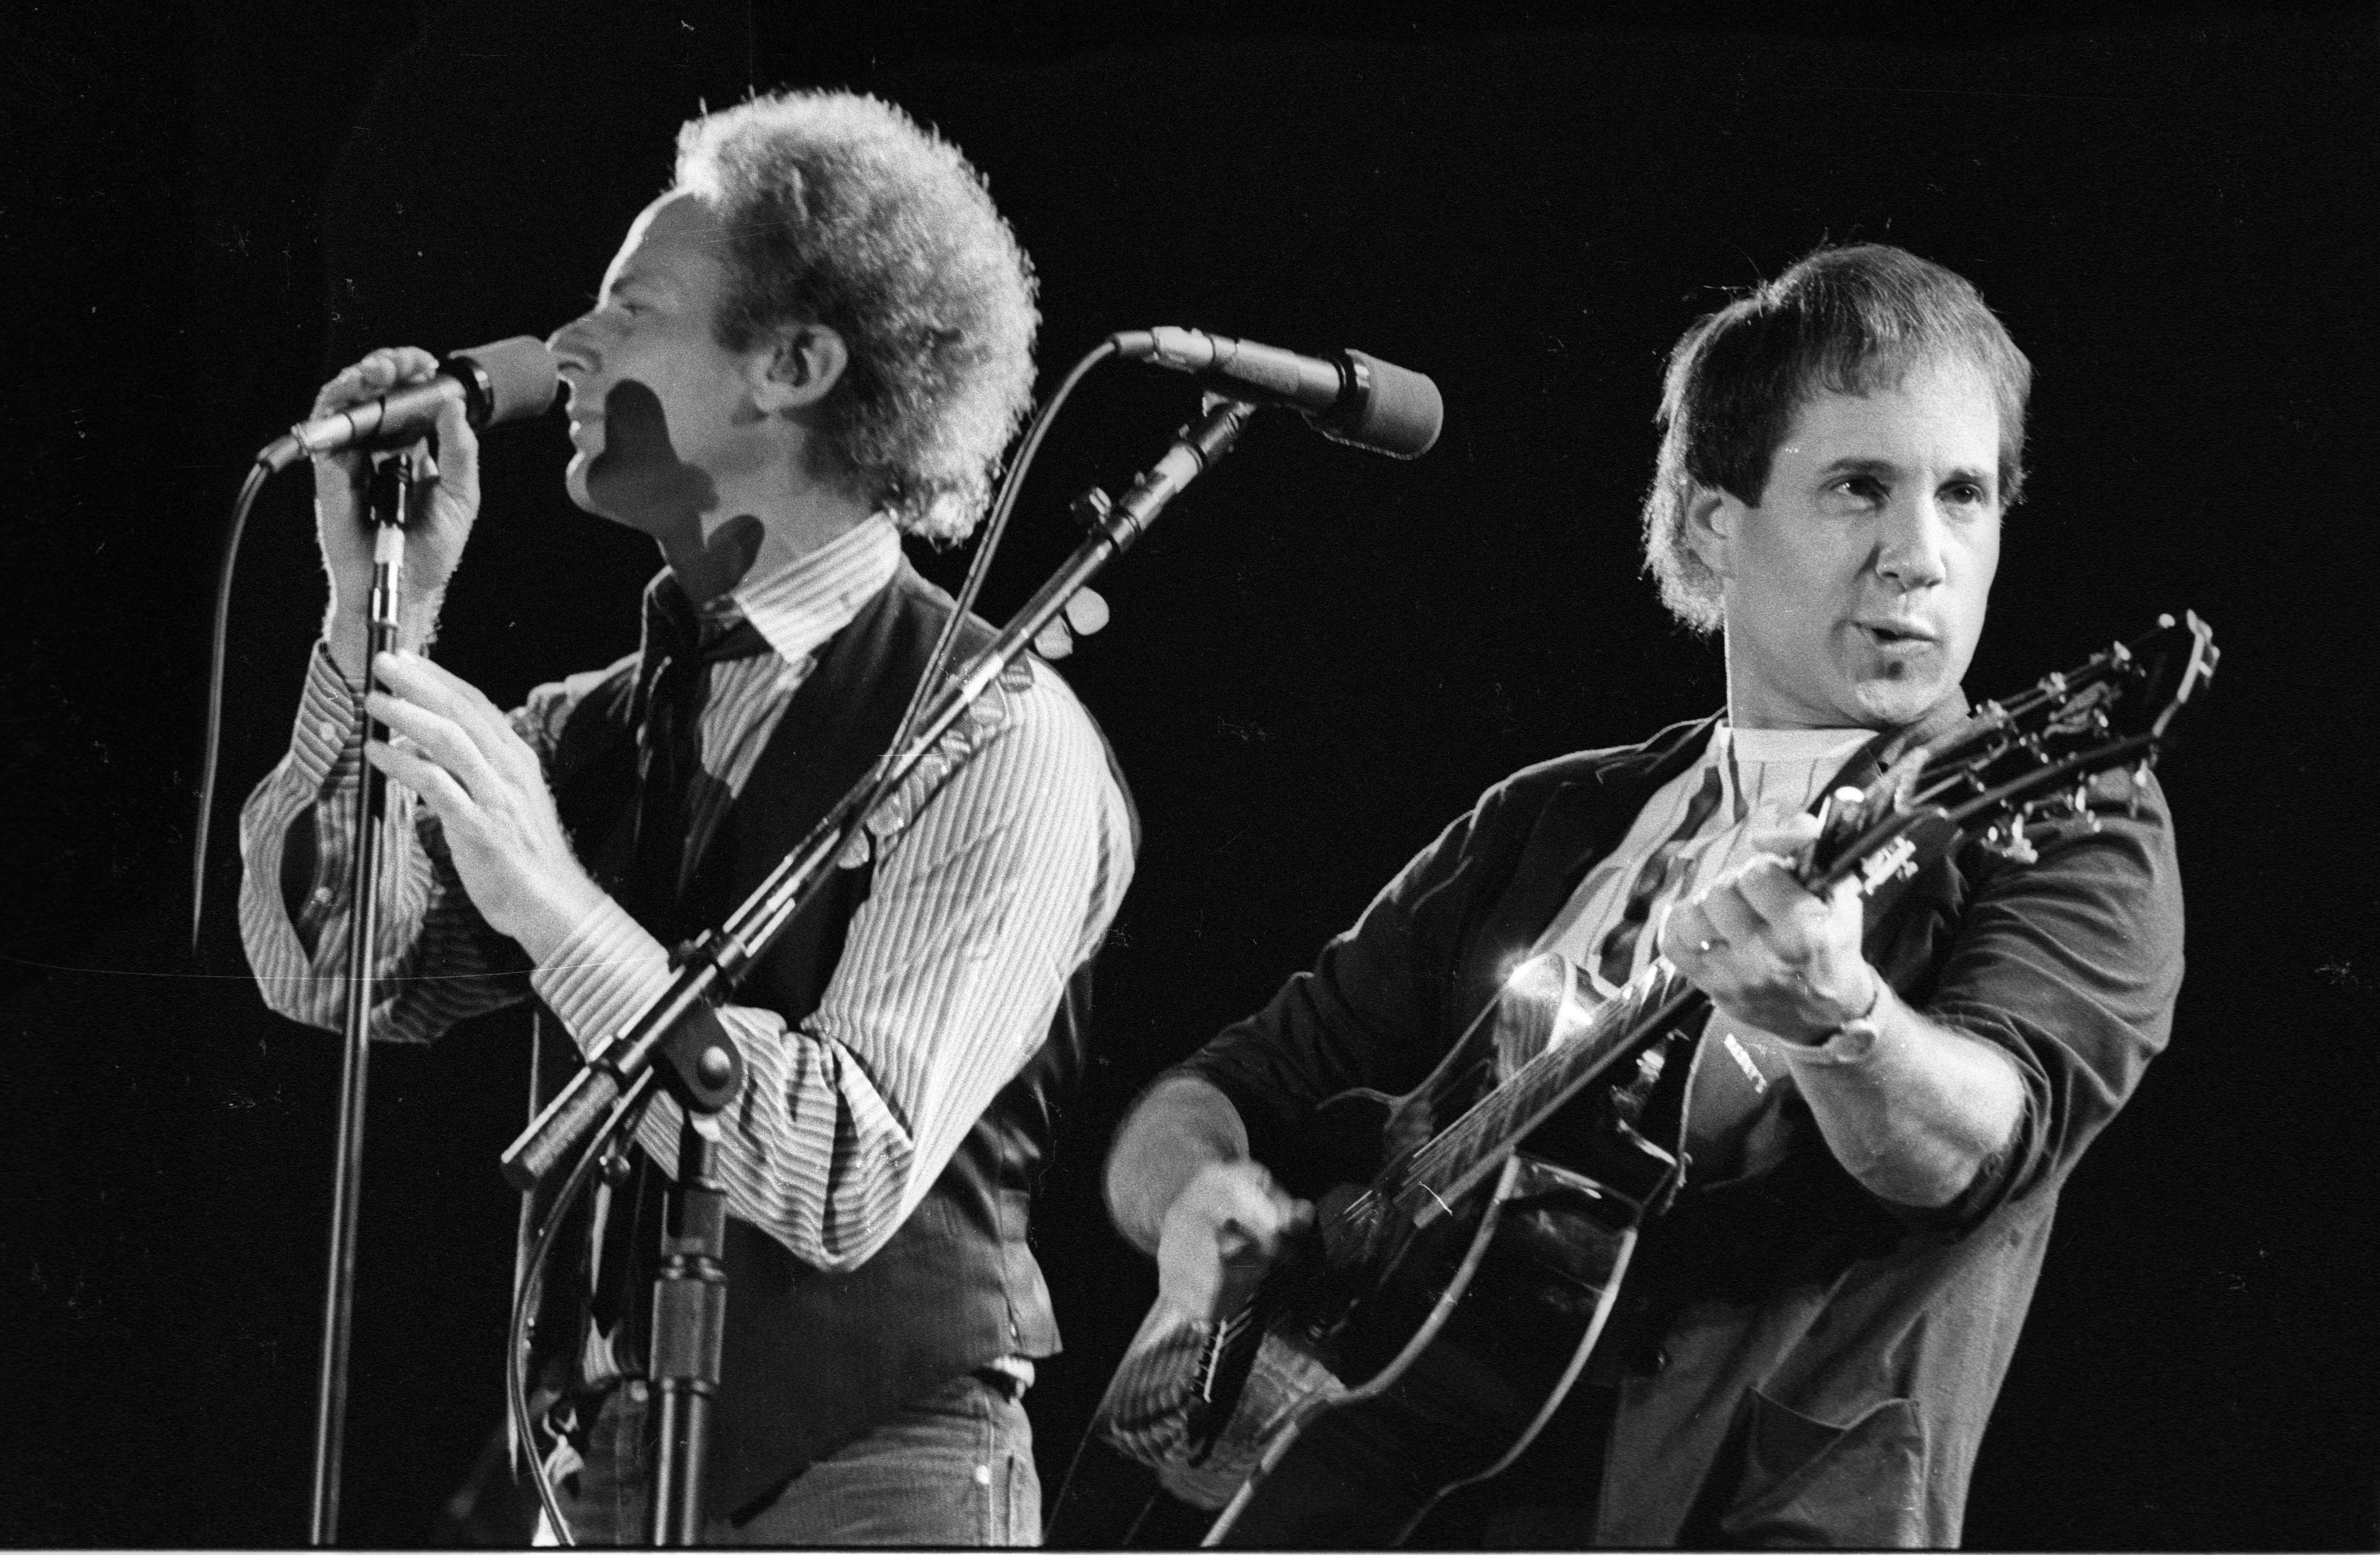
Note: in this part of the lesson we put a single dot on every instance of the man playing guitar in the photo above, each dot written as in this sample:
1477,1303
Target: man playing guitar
1882,1106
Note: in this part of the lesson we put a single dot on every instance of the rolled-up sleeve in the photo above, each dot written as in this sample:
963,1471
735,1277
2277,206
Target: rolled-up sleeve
436,962
2070,963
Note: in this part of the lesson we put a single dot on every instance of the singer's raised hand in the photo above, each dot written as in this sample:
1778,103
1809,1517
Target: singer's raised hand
444,503
456,749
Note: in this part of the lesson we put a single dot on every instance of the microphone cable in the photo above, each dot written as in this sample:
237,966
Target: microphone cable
529,1295
1002,504
257,475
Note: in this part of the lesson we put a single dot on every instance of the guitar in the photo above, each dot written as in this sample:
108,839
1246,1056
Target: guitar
1470,1259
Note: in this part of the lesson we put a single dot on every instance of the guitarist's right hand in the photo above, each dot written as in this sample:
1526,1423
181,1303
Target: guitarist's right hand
1227,1226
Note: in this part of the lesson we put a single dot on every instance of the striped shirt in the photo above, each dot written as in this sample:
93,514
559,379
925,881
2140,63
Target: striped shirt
999,863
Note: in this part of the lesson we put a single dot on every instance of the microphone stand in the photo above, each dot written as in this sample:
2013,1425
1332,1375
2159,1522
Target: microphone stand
679,1034
391,498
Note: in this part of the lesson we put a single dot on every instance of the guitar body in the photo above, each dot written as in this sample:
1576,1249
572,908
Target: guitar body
1438,1374
1410,1358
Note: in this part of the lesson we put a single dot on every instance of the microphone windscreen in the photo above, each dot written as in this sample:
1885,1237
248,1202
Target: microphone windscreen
1400,415
522,378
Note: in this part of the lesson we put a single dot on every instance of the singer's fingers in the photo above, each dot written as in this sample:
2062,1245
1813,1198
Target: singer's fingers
392,365
434,686
373,376
442,741
446,799
440,691
458,454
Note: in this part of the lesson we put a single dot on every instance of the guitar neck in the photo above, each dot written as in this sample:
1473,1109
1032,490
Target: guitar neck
1454,1162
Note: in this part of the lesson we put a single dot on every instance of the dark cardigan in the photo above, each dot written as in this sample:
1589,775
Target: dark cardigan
1795,1360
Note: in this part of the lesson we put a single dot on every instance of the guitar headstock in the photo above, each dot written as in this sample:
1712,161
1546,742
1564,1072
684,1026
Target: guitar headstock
2021,760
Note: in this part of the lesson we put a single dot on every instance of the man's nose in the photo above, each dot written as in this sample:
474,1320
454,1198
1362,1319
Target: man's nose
1911,545
569,343
573,356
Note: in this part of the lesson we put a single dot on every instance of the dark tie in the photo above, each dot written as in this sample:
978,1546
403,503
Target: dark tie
673,679
680,647
1620,945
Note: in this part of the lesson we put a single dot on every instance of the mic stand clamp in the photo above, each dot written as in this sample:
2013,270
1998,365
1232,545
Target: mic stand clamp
688,1329
703,1070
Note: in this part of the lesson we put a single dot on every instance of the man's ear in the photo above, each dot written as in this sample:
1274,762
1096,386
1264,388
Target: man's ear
1713,519
801,370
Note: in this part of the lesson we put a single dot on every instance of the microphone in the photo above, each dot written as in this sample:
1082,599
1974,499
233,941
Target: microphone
1350,398
506,381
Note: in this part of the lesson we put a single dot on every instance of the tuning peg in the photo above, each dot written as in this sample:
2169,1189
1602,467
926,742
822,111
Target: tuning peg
2008,840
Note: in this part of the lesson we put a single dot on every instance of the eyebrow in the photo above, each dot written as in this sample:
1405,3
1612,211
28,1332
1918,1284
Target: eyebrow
633,276
1988,479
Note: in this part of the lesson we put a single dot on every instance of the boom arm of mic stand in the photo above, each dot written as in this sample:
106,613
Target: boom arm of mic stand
681,1027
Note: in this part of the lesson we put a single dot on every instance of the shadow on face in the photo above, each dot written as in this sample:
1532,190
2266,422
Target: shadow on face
639,481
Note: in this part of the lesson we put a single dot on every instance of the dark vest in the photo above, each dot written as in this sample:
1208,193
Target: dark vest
814,1359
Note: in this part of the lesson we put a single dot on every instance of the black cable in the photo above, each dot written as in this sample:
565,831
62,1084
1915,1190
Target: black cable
240,505
1002,504
533,1286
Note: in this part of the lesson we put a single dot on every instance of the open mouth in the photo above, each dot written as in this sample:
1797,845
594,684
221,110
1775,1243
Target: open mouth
1889,636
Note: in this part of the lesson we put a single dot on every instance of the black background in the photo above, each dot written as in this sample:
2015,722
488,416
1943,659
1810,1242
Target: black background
1317,660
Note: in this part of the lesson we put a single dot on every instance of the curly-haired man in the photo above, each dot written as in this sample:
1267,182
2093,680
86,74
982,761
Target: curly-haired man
1875,1120
818,338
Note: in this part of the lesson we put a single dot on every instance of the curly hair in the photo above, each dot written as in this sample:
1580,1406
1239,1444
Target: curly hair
1846,320
841,210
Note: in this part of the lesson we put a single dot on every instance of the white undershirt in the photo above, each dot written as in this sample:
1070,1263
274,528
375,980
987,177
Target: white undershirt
1765,776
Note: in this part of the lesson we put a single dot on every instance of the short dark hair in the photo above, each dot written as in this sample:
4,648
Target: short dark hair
841,210
1844,321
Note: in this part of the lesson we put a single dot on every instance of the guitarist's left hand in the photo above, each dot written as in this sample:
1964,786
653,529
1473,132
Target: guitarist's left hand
1769,954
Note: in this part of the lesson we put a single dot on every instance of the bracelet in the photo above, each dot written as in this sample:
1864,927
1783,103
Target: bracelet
1851,1042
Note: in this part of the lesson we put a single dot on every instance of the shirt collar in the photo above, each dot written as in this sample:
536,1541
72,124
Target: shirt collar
1787,745
801,604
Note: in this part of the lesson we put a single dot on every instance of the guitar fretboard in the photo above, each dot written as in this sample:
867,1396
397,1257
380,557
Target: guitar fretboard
1475,1144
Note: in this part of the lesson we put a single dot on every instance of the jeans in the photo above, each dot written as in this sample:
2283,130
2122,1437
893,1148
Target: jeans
954,1467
